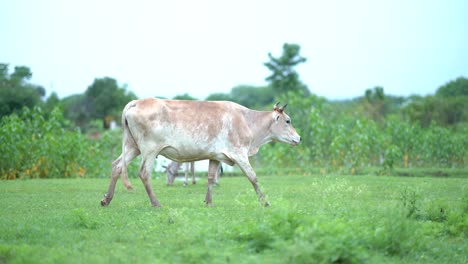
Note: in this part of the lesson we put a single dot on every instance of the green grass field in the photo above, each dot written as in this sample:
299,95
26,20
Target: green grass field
312,219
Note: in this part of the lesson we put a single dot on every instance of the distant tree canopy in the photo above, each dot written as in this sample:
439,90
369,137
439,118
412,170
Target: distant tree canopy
184,96
247,95
103,99
16,91
448,107
75,109
284,78
219,97
251,96
458,87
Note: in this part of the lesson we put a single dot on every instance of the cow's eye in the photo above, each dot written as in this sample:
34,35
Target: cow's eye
288,121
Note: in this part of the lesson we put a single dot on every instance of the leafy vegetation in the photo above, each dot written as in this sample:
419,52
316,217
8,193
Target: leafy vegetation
319,219
37,145
350,144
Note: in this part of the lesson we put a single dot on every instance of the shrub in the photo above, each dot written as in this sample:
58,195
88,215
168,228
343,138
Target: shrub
36,145
394,235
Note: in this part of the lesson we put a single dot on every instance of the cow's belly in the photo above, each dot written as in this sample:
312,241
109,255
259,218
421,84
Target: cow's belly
187,155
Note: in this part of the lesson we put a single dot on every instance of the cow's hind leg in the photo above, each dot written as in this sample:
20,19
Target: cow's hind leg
250,173
116,171
219,172
146,167
186,173
192,170
212,168
130,154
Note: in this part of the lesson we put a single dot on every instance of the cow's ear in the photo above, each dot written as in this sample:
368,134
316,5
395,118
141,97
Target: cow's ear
276,115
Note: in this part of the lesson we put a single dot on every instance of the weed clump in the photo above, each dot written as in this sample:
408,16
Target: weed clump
304,239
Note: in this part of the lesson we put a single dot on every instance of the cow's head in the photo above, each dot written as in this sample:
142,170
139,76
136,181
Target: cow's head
282,128
171,171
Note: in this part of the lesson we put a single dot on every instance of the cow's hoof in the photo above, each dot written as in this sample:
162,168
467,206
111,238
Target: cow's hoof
209,203
104,202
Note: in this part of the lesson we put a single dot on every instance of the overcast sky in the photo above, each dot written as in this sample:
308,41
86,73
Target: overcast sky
166,48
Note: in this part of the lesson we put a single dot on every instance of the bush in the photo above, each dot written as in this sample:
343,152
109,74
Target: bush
303,239
36,145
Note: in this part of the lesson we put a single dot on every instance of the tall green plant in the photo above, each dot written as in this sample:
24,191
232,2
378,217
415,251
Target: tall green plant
35,145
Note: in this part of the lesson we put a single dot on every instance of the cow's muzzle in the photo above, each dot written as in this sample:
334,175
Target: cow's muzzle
296,141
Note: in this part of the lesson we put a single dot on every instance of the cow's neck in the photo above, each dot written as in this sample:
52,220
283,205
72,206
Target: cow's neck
260,123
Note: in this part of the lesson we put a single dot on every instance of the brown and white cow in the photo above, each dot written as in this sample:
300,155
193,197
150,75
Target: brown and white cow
186,131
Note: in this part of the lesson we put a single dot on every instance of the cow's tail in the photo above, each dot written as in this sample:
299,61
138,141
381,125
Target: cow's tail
128,144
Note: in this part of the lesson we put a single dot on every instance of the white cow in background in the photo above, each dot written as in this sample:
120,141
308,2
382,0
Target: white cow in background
172,171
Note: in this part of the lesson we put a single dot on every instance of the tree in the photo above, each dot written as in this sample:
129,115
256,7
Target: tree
105,98
448,106
252,96
246,95
184,96
74,107
219,97
51,102
458,87
284,77
15,90
374,102
443,111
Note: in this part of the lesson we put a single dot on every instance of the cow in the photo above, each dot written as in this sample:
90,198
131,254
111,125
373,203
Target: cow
186,131
172,170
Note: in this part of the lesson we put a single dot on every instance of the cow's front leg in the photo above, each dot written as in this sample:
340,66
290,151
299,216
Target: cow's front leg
212,168
250,173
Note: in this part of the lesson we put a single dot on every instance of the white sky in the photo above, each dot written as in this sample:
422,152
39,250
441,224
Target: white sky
166,48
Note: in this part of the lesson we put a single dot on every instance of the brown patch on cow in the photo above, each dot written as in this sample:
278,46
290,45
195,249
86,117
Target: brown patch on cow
213,129
163,114
153,117
237,135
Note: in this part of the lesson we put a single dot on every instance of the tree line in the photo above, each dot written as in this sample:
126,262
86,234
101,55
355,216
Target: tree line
104,98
